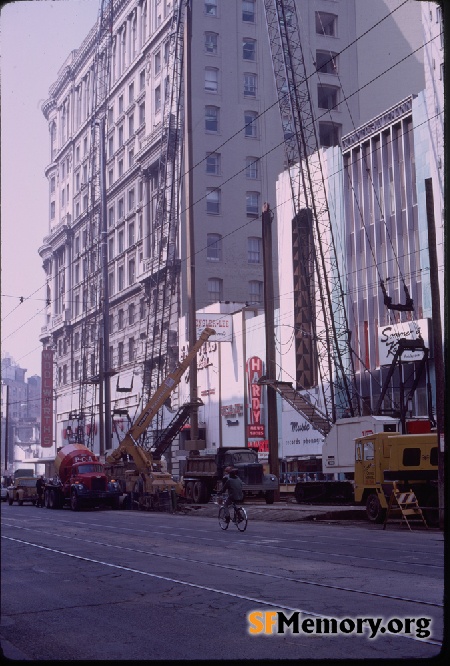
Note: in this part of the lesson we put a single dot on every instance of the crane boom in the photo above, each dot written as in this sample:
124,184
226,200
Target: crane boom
323,305
129,446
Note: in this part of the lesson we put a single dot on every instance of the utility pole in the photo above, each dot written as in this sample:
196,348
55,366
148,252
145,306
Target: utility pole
271,366
190,236
6,426
437,342
105,407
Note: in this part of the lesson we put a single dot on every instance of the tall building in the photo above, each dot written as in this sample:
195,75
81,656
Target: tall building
237,153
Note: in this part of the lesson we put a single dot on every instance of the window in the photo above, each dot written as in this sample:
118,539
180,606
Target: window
110,249
157,99
213,201
76,370
120,241
52,184
326,24
120,104
254,250
211,42
120,320
120,354
215,290
85,146
211,7
141,113
255,291
131,314
110,146
131,199
213,164
249,49
131,349
142,80
252,167
130,157
120,167
326,62
110,116
131,125
157,62
52,210
214,247
111,284
327,97
250,124
77,273
111,216
76,341
211,79
131,235
329,134
211,119
248,11
142,308
77,209
63,195
131,93
131,271
110,176
85,202
121,136
249,85
121,208
252,203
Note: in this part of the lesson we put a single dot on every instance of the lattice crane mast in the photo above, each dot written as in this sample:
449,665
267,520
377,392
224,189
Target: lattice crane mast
322,311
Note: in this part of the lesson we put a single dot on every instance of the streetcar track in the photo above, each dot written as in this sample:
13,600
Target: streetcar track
353,557
203,587
229,567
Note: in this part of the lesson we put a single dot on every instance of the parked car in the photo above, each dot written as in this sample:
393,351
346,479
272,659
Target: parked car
4,491
22,490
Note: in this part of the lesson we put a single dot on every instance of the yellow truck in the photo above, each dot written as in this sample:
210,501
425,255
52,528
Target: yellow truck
410,460
23,489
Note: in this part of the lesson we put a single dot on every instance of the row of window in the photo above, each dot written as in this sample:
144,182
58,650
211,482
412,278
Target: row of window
249,83
215,291
214,248
214,203
211,45
248,8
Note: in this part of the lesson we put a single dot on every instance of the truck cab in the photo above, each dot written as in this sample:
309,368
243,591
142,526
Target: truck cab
410,460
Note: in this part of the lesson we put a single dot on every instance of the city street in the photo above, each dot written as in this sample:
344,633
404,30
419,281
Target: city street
116,585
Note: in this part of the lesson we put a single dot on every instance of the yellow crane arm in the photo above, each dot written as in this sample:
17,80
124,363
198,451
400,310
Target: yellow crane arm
129,444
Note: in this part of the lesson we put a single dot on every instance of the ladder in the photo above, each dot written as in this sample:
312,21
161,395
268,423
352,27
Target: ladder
300,403
165,439
406,503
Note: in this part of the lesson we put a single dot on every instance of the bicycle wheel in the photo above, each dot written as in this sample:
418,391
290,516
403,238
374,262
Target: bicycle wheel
223,522
241,519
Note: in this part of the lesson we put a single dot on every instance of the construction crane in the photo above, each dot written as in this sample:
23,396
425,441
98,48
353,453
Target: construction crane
322,329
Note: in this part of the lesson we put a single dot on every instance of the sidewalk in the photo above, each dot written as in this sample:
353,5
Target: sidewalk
286,511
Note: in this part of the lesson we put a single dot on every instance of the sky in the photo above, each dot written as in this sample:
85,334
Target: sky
35,39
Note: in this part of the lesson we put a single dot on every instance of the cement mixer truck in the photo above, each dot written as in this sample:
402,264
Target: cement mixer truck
80,481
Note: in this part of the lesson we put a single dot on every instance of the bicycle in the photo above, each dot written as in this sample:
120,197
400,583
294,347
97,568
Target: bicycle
237,515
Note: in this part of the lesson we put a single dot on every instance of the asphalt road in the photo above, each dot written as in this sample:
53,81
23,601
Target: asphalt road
115,585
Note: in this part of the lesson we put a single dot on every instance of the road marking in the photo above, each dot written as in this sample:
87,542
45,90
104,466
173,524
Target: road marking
196,586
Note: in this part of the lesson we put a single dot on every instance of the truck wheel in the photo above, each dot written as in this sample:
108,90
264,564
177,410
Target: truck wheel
190,491
269,496
52,501
374,511
74,501
199,492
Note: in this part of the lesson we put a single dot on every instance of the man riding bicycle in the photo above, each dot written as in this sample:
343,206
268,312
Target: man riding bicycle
235,493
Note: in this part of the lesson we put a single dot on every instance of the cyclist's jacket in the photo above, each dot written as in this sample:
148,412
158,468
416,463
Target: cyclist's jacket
234,487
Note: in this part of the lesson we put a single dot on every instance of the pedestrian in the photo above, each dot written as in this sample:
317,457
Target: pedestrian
40,484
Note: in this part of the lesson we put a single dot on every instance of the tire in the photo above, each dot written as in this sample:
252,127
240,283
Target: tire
190,491
241,519
374,511
52,500
222,521
74,501
10,500
199,492
20,502
269,496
